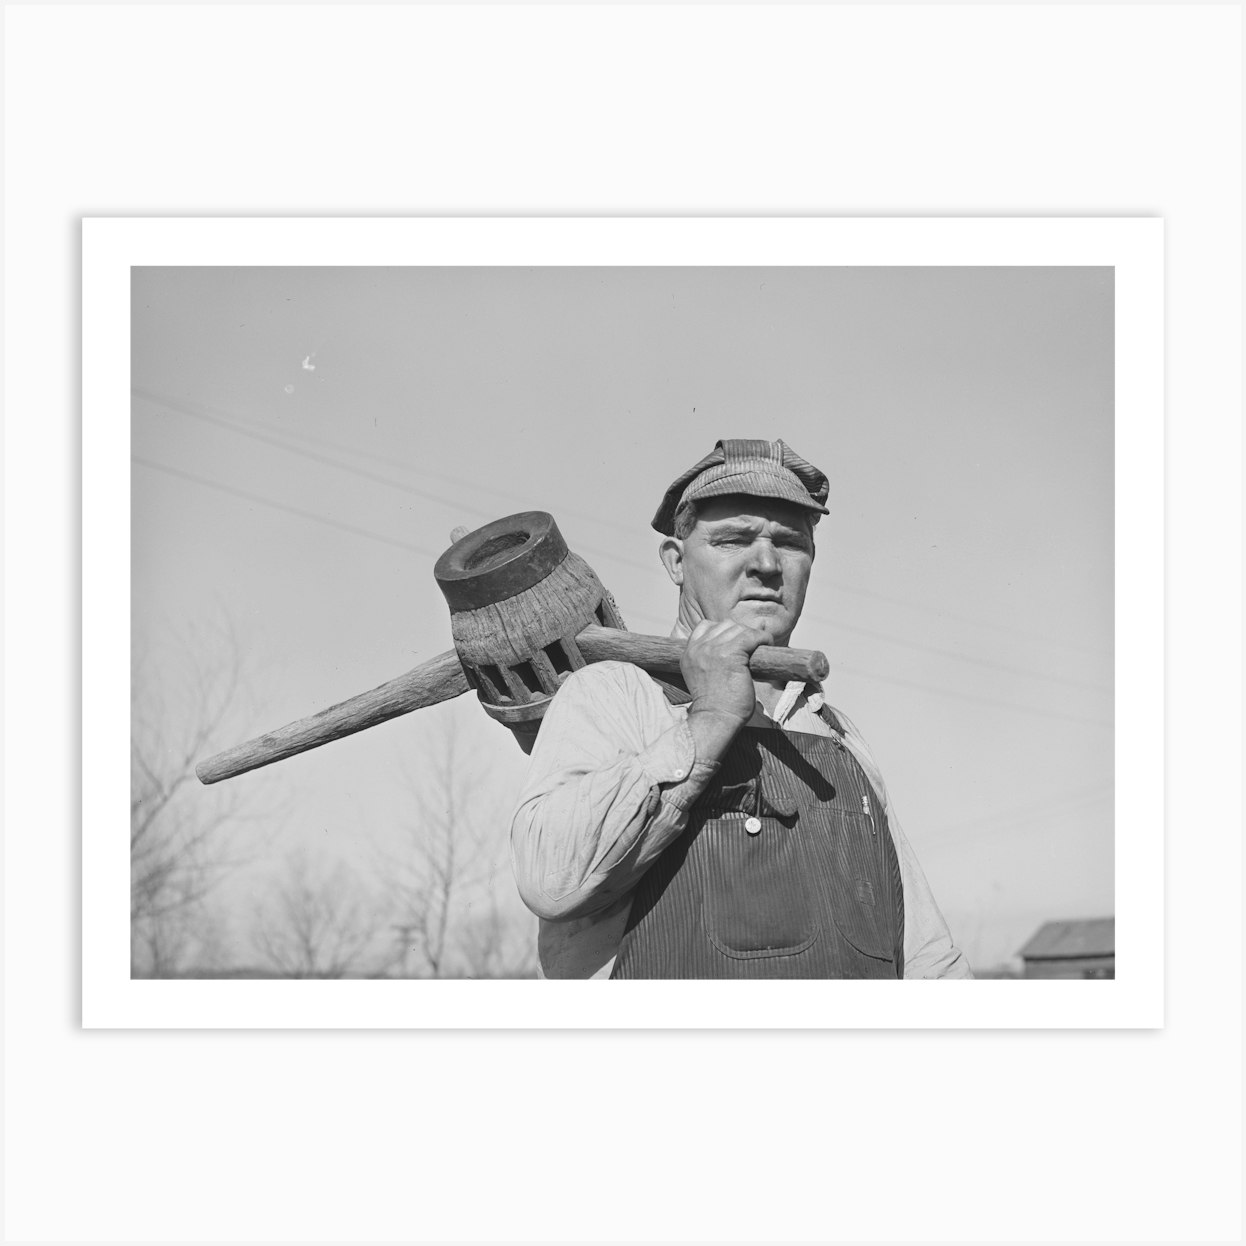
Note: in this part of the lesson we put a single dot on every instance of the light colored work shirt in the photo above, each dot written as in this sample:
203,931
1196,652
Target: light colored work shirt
613,778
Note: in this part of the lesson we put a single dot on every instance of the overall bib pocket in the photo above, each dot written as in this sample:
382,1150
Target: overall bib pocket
756,900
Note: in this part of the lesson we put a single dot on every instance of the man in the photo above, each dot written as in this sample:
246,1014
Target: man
730,827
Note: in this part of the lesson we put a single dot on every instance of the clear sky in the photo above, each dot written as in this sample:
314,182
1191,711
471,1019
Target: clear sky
306,439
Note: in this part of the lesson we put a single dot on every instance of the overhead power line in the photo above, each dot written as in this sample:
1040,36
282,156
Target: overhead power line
973,697
1033,637
316,517
281,506
324,519
401,486
328,460
620,559
247,429
979,828
958,657
375,536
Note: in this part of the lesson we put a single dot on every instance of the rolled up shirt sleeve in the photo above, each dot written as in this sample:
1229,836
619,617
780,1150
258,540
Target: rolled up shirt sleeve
611,779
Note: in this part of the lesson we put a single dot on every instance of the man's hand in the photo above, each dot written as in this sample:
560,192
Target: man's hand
715,668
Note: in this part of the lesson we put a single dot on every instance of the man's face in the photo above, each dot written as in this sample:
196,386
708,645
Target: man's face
747,560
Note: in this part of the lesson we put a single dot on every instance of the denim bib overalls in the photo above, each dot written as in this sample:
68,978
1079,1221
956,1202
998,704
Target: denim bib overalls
787,869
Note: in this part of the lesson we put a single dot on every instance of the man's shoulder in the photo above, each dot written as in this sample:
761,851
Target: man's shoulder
619,683
605,704
605,675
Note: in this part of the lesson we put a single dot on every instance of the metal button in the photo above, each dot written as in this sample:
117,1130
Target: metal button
752,825
679,774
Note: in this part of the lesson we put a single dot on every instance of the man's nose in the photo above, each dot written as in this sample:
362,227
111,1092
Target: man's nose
764,561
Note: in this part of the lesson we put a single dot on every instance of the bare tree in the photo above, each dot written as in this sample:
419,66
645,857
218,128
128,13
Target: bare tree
497,940
181,842
318,922
450,885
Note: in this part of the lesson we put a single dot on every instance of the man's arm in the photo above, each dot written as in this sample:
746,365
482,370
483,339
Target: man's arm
612,776
615,771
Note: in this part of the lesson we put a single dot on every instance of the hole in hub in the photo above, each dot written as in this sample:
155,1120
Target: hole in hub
558,658
529,676
608,615
494,684
494,549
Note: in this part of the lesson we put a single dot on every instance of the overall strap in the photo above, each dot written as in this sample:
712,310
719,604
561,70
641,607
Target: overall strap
673,688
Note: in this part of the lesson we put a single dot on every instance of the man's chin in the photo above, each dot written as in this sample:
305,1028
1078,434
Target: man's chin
764,616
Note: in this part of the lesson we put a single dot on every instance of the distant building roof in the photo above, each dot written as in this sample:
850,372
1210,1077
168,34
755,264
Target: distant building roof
1094,936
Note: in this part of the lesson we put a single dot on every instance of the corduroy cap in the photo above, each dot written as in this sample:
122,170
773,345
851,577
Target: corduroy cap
759,469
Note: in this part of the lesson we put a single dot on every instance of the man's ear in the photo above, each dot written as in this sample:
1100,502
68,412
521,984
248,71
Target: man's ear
671,552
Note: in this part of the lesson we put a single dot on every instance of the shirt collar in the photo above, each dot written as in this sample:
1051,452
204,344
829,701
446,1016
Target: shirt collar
790,698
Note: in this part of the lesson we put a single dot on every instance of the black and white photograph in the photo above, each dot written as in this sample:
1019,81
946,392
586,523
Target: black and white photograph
498,624
903,474
678,621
